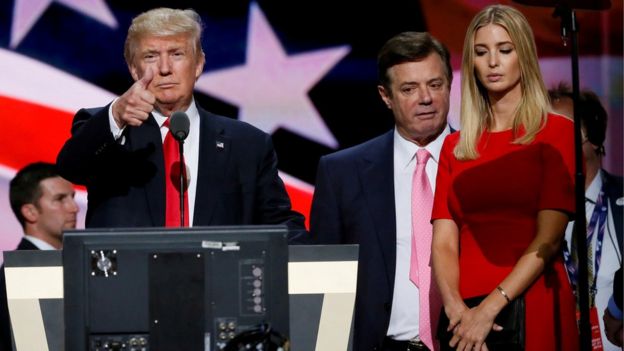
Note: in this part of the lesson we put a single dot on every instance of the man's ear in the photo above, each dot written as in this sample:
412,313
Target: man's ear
30,212
134,72
199,68
385,96
598,149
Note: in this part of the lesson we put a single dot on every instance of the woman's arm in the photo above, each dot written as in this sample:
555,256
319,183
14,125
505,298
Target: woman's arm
445,259
477,322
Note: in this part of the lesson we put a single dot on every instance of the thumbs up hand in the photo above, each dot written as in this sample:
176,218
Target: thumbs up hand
135,105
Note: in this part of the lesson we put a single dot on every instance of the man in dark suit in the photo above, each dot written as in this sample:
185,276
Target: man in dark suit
363,196
602,191
43,203
613,313
120,151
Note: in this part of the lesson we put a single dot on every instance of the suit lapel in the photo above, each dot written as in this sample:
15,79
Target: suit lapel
613,191
377,179
214,152
25,244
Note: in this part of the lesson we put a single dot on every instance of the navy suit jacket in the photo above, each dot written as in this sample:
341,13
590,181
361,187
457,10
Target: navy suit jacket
5,323
237,178
354,204
615,193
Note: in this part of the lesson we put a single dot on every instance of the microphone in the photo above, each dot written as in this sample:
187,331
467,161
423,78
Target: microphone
179,125
565,9
572,4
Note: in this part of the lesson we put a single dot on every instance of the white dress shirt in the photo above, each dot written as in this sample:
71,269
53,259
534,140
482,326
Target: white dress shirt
405,312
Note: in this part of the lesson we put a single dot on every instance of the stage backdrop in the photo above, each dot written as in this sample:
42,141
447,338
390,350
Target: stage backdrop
303,71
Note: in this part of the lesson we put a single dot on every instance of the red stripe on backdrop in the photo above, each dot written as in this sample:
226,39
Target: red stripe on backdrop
31,132
301,201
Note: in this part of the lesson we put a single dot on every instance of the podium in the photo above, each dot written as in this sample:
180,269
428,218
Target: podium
34,281
321,286
321,291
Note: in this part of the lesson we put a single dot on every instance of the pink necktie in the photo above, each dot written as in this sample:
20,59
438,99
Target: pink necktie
420,268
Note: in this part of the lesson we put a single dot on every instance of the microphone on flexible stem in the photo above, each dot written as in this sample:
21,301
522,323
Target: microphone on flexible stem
179,125
565,9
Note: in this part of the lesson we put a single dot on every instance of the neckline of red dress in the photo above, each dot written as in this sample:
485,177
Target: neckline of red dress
506,131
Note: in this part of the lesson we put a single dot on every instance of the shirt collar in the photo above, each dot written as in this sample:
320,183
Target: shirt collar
593,190
191,112
405,150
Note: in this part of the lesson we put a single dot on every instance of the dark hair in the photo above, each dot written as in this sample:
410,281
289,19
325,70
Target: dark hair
410,47
592,113
24,187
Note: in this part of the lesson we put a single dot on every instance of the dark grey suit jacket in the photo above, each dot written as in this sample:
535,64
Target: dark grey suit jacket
615,192
354,204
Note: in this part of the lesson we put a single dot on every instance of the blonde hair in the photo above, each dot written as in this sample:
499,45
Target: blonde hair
162,22
476,114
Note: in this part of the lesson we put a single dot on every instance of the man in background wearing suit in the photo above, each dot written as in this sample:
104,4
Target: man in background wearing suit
125,154
604,205
43,203
612,317
364,196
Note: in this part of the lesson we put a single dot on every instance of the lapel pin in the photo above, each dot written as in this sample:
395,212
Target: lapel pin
220,145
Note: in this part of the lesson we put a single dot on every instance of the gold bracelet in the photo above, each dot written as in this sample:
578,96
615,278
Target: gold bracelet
504,294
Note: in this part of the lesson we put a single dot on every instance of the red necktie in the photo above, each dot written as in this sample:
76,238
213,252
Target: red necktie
429,302
172,182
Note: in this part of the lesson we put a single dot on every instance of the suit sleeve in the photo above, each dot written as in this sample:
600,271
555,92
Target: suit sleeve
272,205
617,288
91,138
325,222
615,301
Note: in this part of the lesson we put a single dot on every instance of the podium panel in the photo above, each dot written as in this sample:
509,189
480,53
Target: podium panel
173,289
34,281
322,282
321,287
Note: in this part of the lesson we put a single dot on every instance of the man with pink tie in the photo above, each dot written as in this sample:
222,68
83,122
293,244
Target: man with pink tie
379,195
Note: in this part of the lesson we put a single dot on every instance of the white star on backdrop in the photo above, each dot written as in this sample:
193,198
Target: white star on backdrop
27,12
271,88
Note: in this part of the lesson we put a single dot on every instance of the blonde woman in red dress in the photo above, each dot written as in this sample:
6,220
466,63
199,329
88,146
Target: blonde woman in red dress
504,193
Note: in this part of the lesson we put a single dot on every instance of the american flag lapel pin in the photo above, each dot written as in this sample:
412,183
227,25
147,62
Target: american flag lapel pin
220,145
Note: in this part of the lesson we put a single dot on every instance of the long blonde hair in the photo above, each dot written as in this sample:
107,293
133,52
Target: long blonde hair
476,113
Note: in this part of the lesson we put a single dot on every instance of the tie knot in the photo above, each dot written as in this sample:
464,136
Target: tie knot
422,156
166,124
